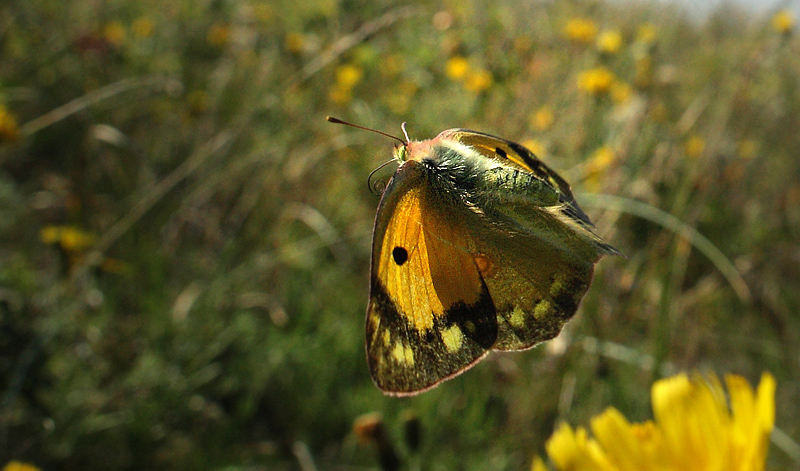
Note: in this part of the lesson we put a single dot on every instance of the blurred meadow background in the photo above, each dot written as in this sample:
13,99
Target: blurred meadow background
184,240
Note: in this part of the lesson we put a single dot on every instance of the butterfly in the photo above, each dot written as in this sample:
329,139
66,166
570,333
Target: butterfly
477,246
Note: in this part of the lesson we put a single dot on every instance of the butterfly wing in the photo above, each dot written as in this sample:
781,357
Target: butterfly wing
535,286
430,315
541,256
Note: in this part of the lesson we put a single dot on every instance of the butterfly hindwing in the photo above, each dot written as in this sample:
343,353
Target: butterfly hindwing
534,296
537,258
430,314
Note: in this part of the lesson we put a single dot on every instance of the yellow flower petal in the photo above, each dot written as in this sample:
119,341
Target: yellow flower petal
348,75
609,42
538,465
596,81
694,429
457,67
478,81
580,30
573,450
19,466
543,118
783,21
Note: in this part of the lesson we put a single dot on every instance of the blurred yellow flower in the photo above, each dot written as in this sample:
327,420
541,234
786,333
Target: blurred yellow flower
340,95
9,128
478,81
601,160
621,92
400,100
348,75
535,146
543,118
596,81
142,27
609,42
581,30
522,45
694,146
393,64
219,34
263,12
71,239
694,428
18,466
114,32
644,71
457,67
646,33
294,42
783,21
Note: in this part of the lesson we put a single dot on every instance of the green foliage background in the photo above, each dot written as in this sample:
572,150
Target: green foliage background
201,303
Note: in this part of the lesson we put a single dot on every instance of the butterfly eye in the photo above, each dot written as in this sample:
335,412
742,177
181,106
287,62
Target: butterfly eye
400,255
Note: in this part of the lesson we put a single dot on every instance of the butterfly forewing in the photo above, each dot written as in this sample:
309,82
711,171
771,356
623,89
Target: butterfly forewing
430,314
500,149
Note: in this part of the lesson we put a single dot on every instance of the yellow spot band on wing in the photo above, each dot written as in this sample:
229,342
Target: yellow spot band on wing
452,338
403,354
542,309
517,317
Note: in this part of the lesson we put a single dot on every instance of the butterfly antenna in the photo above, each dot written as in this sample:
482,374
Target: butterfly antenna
377,187
339,121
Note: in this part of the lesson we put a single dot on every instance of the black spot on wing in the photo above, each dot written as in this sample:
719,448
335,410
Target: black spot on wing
400,255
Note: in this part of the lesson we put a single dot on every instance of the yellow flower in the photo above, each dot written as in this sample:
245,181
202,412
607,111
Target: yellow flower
478,81
644,71
219,34
601,160
694,428
535,146
580,30
646,33
114,33
263,12
348,75
694,146
783,22
340,95
597,81
294,42
18,466
9,129
392,64
542,119
621,92
71,239
457,67
609,42
400,100
143,27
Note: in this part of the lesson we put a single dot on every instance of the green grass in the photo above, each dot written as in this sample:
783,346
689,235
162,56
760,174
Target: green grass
213,318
